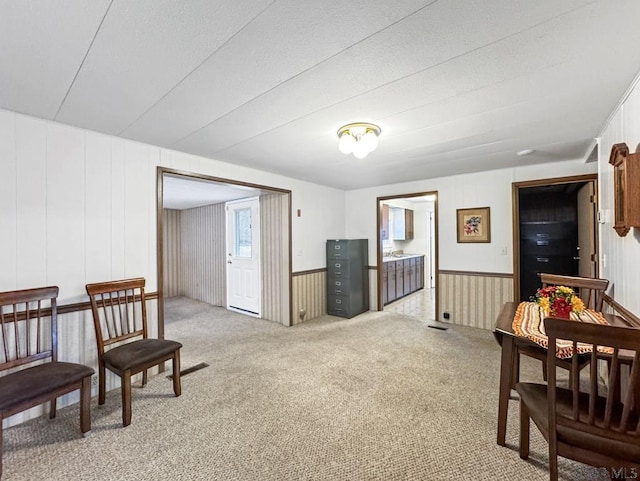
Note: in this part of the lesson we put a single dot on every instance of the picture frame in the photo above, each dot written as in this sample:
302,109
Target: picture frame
473,225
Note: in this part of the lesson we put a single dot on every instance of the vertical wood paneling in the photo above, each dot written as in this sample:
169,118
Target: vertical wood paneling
65,209
310,294
98,241
8,207
275,258
171,243
31,197
118,207
473,300
203,268
136,209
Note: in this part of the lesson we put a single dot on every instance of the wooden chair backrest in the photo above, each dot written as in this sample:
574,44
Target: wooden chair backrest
119,310
623,345
591,290
28,326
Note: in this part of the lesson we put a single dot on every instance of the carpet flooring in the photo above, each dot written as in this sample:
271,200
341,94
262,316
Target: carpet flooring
377,397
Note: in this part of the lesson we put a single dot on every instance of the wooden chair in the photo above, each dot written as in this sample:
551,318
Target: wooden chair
28,338
120,321
590,290
592,428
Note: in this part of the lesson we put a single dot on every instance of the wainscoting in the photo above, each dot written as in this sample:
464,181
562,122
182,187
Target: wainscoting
77,343
473,298
309,292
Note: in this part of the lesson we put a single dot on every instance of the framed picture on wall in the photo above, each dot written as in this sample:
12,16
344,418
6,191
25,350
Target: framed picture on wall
473,225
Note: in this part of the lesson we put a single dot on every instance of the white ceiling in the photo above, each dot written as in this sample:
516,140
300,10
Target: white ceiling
179,192
456,86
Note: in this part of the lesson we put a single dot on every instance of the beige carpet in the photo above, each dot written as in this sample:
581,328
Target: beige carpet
377,397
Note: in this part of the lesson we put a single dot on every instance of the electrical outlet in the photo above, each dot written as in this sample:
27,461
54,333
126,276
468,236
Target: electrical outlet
94,380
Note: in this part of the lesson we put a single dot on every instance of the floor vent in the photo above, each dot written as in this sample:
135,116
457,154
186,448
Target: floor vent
191,369
440,328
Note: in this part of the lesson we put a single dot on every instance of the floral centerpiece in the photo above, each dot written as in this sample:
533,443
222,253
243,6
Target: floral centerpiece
558,301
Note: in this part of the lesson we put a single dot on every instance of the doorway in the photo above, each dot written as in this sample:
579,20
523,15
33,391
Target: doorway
407,251
200,246
554,230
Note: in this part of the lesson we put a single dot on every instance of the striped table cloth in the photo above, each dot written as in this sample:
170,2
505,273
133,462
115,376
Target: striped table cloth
527,323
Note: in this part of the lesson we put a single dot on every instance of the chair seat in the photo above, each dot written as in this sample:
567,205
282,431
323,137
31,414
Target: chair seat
139,353
36,381
615,445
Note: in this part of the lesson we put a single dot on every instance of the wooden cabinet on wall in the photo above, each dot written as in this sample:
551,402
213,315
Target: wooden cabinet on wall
384,228
408,224
626,188
402,224
403,276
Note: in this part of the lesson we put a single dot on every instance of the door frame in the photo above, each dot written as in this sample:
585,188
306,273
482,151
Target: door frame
160,173
379,250
515,192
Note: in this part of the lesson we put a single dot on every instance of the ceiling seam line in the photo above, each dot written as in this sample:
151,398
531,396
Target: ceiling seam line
121,132
309,68
75,77
444,62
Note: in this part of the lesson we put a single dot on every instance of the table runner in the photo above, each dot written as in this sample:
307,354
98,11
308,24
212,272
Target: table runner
527,323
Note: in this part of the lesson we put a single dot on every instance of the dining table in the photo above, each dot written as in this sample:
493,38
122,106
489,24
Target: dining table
509,366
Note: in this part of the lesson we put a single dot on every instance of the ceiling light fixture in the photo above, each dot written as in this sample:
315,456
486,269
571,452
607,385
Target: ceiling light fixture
358,139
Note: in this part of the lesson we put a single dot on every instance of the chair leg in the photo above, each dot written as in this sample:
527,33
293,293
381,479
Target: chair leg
1,450
85,405
126,398
515,370
144,378
52,408
553,464
102,384
524,430
177,384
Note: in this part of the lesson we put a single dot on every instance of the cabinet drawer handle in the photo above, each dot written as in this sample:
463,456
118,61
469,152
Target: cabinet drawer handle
542,259
543,235
542,243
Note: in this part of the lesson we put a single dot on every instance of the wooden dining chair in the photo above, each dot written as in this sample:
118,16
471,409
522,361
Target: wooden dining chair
31,372
593,426
120,320
590,290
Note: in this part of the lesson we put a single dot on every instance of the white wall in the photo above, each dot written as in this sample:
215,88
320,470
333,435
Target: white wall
481,189
79,206
619,256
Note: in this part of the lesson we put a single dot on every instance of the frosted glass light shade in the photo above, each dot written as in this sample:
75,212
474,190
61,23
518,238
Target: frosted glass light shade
360,154
369,141
358,139
346,143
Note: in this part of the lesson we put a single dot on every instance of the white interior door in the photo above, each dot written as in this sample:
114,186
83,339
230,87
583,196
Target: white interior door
243,257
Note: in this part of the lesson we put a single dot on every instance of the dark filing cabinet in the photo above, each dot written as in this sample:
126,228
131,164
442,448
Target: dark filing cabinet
347,277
